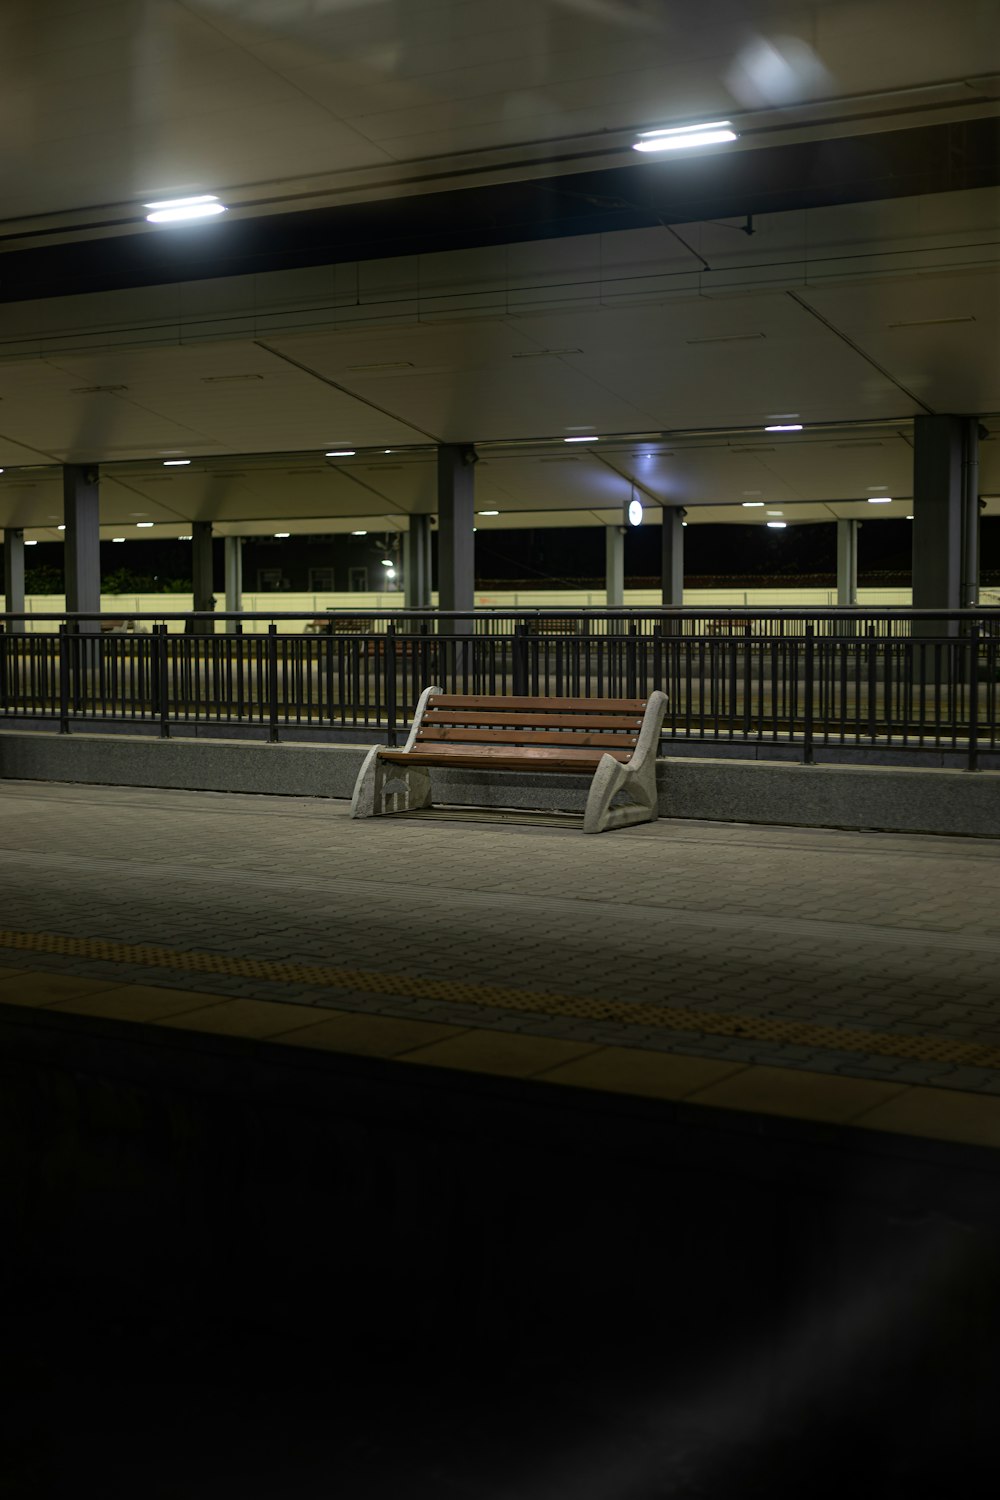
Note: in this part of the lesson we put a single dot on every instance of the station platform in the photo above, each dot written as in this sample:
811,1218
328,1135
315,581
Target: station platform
659,1162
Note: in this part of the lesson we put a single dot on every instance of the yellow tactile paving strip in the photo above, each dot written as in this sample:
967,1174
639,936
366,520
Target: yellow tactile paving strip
541,1002
871,1104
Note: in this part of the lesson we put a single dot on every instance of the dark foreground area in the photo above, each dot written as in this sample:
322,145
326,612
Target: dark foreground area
229,1271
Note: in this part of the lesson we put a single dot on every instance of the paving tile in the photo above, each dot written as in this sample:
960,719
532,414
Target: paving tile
626,1070
375,1036
136,1002
938,1114
789,1091
251,1018
512,1054
36,989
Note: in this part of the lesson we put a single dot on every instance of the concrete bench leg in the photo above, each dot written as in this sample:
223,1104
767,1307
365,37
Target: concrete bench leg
383,787
611,778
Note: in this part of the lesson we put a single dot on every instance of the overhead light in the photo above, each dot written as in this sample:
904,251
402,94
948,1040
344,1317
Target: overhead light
682,136
776,512
879,499
176,210
390,573
683,523
489,512
175,463
777,525
282,533
785,427
31,544
751,504
909,518
342,453
180,539
117,538
141,524
61,527
387,562
633,512
359,533
590,439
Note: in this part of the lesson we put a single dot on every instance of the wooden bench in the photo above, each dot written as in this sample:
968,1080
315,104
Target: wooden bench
612,740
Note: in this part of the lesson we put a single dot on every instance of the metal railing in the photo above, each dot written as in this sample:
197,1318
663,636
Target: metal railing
890,679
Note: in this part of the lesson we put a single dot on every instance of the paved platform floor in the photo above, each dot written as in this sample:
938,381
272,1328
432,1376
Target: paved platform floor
783,954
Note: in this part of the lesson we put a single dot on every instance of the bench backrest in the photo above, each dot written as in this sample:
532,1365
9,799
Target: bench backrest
601,723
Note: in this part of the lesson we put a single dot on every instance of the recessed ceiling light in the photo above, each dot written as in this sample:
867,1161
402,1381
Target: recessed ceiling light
282,533
590,439
682,136
140,524
359,533
784,427
752,504
117,538
777,525
176,210
175,463
31,544
341,453
489,512
879,499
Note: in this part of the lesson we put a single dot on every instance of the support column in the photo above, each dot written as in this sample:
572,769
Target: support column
847,562
13,576
82,553
456,518
945,512
417,563
672,557
201,574
614,565
234,580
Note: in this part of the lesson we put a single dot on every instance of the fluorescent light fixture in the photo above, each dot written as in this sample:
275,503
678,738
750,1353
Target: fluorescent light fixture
140,524
31,544
590,439
879,499
909,518
180,538
175,463
776,512
282,533
342,453
61,527
489,512
752,504
117,538
785,427
359,533
777,525
681,137
176,210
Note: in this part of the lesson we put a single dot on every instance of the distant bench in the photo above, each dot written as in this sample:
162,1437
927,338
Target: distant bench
612,740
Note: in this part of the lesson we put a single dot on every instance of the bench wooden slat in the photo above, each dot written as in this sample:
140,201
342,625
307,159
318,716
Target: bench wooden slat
500,719
597,706
530,738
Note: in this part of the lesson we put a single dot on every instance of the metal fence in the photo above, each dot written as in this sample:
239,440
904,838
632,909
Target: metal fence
891,679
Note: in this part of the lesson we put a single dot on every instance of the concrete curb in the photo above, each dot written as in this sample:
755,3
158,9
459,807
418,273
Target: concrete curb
898,799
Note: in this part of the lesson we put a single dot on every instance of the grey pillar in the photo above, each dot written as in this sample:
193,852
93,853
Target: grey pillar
945,512
672,556
201,573
13,575
614,565
234,580
82,553
417,563
847,562
456,518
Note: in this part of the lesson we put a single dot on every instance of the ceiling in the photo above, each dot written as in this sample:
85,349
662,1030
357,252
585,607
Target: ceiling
672,343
